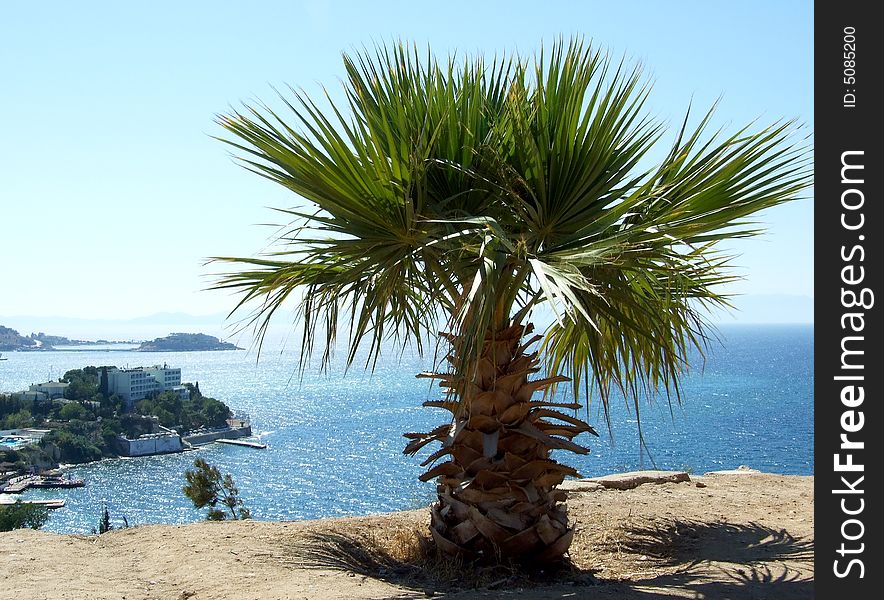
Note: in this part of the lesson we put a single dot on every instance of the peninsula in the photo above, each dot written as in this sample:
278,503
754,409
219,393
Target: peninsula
186,342
105,411
10,339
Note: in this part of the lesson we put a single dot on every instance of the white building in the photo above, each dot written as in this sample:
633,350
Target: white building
52,389
136,384
34,396
166,376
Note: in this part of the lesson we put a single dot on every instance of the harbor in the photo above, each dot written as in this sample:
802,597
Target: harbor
163,442
11,489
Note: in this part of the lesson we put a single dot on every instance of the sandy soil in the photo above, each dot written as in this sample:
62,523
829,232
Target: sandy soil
732,536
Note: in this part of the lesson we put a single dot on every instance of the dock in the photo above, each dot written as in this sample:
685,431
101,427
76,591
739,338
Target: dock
50,504
20,484
240,429
57,482
17,485
247,444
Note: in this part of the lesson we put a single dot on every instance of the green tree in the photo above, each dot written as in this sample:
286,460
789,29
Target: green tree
73,447
206,487
104,525
10,404
166,406
21,515
110,429
172,411
19,419
83,383
473,192
103,384
208,412
135,425
117,403
71,411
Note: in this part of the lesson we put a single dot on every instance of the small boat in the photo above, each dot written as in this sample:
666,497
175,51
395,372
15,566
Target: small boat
1,357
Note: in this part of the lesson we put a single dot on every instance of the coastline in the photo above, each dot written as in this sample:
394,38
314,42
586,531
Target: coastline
733,535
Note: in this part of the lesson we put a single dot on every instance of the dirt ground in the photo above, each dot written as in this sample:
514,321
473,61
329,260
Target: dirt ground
734,536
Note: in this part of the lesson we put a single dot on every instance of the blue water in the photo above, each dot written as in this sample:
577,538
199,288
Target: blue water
336,442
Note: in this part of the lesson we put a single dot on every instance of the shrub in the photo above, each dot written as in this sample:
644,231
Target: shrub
205,487
21,515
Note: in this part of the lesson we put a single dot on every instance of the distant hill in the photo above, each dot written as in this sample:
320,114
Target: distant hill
121,330
11,340
186,342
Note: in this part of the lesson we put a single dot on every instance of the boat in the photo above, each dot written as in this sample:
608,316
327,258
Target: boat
1,357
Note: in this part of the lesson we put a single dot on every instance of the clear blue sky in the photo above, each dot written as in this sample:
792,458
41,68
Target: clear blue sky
112,191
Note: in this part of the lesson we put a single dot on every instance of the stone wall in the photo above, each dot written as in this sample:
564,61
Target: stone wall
150,444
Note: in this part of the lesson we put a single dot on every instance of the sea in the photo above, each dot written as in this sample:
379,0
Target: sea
335,437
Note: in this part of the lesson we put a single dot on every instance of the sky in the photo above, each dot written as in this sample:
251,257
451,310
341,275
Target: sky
113,191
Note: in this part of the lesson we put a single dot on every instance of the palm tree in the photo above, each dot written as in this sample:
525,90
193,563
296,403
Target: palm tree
469,193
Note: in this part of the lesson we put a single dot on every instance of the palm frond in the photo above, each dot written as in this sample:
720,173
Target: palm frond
472,191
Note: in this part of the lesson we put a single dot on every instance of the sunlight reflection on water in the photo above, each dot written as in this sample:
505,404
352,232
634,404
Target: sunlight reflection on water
336,442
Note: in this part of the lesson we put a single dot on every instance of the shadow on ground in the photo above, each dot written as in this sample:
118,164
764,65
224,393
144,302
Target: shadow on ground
677,542
739,583
711,560
689,559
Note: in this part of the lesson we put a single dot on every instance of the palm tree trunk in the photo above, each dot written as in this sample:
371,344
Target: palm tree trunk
497,490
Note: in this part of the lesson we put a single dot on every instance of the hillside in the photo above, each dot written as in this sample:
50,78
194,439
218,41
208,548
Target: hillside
11,340
186,342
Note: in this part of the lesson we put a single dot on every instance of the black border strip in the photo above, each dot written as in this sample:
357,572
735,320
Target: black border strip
847,271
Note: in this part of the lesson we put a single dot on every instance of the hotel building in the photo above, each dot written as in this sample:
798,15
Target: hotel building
136,384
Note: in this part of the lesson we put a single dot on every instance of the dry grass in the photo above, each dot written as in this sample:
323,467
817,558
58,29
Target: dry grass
409,558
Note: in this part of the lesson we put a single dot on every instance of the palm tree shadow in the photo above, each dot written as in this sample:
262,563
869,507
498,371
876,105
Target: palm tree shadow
749,583
721,560
680,542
